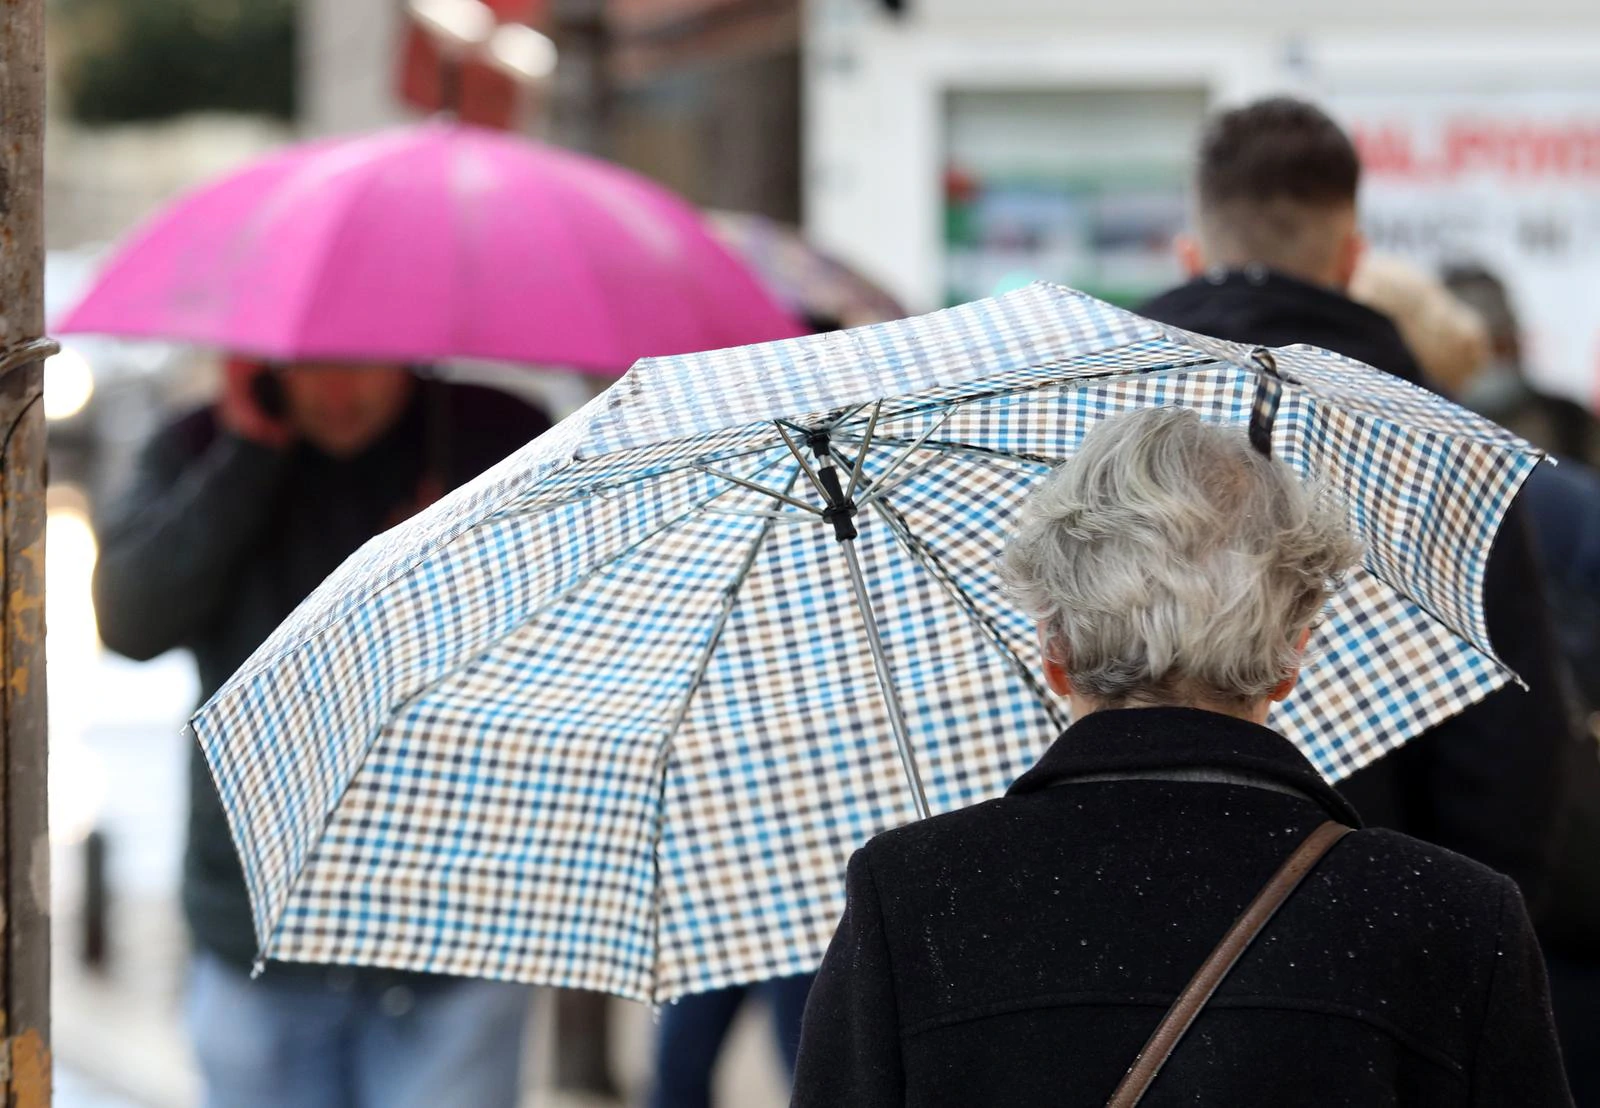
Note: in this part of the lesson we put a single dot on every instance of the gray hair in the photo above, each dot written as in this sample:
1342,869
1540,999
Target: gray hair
1171,563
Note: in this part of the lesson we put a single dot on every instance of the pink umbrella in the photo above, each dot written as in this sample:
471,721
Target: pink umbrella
429,243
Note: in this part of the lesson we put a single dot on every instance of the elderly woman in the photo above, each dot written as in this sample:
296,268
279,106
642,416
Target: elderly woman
1021,952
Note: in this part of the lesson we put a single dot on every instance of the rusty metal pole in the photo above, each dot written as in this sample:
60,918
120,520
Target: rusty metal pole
24,834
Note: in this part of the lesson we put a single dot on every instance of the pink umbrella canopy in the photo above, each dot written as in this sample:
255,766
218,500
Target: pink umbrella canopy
430,243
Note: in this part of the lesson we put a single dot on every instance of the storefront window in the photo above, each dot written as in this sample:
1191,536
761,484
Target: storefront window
1084,187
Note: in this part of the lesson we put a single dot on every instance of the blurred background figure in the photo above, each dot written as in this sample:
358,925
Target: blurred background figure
1500,388
1275,244
1453,344
235,514
1447,337
693,1029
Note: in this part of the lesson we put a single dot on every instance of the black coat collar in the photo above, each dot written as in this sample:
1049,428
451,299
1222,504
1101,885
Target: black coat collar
1263,306
1141,739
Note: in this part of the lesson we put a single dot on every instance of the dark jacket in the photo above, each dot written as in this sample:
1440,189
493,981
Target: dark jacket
1486,782
219,539
1564,508
1020,952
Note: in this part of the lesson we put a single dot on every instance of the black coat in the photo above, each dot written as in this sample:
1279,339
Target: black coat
218,540
1487,781
1020,952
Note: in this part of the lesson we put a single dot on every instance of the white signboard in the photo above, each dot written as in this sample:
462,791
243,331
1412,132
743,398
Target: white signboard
1507,180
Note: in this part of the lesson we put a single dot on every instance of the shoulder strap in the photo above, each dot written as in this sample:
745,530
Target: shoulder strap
1182,1014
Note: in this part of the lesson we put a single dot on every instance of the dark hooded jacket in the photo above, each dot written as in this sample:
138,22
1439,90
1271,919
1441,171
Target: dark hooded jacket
1485,782
218,540
1020,952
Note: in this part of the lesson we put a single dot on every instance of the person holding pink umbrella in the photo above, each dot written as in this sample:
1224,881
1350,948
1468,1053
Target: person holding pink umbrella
236,513
326,269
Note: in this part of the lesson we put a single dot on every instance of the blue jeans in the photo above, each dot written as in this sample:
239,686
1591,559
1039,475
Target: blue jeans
690,1036
345,1039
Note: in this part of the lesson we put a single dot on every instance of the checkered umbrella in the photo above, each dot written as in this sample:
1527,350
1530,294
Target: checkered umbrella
615,715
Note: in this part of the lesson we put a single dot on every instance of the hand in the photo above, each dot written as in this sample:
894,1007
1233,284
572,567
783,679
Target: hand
240,412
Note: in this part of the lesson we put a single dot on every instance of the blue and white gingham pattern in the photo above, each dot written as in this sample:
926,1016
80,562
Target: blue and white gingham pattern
606,719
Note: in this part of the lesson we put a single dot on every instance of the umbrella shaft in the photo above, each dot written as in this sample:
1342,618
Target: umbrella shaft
897,719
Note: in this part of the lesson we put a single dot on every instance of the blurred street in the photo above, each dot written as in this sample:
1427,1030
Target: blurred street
118,766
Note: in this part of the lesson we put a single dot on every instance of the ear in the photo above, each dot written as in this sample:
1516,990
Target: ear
1352,248
1055,669
1280,692
1191,258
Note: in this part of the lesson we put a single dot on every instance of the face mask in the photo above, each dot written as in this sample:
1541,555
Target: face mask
1497,388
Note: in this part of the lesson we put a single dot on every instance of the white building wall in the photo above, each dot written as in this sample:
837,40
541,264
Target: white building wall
348,65
1271,16
876,84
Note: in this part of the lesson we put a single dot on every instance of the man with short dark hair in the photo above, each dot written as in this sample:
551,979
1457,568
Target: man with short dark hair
1501,390
1277,188
1275,243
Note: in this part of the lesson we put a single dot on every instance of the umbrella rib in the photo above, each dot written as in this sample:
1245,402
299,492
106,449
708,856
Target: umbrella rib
579,493
776,514
805,466
882,487
861,455
986,453
844,416
601,566
999,391
925,557
901,457
774,493
730,596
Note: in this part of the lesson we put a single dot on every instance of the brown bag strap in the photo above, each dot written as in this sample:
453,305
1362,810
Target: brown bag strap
1174,1025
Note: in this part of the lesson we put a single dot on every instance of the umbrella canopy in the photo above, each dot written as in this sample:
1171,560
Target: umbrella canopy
430,243
809,282
615,715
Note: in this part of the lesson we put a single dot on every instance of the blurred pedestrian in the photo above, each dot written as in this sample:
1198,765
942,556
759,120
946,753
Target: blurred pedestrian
1447,337
1501,389
1020,952
1274,246
1452,343
692,1029
235,514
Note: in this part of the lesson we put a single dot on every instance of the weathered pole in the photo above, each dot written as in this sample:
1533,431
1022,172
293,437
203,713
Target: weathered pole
24,834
